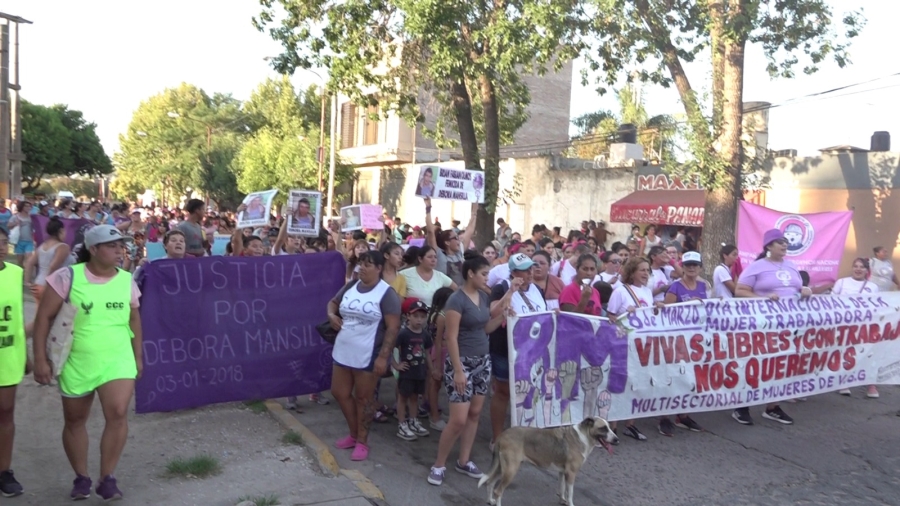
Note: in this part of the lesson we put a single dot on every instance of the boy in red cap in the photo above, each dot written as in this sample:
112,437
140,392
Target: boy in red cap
414,365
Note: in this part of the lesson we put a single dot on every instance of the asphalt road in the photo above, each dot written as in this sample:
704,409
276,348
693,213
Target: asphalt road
841,451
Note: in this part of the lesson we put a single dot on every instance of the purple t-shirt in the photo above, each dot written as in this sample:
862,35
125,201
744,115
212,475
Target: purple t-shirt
766,278
683,294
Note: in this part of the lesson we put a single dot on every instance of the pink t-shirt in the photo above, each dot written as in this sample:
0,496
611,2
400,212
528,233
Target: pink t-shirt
61,281
571,294
766,278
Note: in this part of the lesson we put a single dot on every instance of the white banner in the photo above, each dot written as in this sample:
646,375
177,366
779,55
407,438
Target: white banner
700,356
450,184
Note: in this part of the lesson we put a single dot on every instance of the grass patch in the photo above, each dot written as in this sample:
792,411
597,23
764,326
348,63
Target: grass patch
262,500
201,466
292,438
256,406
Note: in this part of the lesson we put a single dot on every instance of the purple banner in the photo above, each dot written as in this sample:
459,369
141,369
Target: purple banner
75,229
564,367
221,329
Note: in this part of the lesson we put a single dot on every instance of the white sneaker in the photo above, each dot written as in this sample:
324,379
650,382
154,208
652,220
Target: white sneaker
439,425
291,404
405,433
417,428
845,391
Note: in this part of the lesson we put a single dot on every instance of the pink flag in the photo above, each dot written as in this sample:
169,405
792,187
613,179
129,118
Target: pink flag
815,241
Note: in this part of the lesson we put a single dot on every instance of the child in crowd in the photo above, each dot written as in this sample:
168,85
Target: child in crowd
414,366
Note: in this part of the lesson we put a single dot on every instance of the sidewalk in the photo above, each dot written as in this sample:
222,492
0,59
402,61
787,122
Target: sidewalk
254,460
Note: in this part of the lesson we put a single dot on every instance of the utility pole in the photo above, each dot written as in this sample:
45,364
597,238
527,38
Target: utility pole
321,151
5,136
11,156
332,161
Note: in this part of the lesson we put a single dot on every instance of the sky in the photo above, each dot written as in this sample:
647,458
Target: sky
103,57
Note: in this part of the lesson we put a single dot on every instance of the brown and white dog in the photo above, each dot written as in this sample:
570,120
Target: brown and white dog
566,448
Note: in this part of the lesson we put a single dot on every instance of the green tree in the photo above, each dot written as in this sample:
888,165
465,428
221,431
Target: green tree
664,35
597,130
58,141
469,56
88,156
179,141
45,144
282,151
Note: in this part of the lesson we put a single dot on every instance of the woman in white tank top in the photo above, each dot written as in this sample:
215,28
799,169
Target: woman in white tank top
51,255
650,239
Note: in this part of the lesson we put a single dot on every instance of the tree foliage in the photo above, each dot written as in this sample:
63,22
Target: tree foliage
58,141
662,36
598,129
179,141
282,151
469,57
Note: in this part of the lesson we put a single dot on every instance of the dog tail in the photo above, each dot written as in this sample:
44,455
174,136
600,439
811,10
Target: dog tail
494,469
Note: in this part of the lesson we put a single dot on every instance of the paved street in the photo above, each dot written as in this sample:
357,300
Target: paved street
841,451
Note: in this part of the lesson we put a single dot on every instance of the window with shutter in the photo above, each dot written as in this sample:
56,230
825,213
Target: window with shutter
370,132
348,125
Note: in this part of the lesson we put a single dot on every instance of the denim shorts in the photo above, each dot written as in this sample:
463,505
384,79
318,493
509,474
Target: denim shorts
500,367
23,247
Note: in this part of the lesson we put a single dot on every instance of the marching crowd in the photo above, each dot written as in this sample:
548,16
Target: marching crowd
441,324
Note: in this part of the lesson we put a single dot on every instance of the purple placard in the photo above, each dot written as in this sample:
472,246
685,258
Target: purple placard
75,229
221,329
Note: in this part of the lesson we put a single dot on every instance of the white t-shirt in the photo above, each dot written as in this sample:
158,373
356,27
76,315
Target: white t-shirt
720,276
882,274
660,277
621,299
850,286
605,277
421,289
497,274
564,271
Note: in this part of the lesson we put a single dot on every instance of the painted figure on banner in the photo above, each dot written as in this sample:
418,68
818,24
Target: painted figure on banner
560,365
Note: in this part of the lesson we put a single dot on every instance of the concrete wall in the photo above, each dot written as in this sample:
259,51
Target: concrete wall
546,194
562,197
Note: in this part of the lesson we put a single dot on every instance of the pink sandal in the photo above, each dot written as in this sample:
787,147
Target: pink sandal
361,452
345,443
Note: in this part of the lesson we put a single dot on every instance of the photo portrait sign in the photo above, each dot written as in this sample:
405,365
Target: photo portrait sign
259,207
304,213
223,329
450,184
712,355
361,217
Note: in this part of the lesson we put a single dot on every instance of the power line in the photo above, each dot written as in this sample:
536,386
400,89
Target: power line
596,138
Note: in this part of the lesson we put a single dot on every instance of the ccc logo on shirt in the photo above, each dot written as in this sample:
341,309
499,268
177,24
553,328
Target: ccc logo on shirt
115,305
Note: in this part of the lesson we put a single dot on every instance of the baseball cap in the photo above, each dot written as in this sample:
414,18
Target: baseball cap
772,235
691,257
520,262
102,234
412,304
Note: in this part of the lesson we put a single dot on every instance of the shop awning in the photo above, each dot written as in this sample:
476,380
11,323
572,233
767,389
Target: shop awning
661,207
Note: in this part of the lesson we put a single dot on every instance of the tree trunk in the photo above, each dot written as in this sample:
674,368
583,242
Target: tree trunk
462,107
719,222
484,229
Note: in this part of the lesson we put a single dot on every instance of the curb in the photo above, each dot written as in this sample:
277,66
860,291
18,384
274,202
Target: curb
323,454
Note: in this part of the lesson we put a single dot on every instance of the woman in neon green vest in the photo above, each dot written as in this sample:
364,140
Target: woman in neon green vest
106,353
13,362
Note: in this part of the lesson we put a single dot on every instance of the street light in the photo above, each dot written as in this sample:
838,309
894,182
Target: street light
321,151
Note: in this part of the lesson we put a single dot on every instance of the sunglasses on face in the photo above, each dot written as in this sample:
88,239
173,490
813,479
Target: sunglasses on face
617,261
